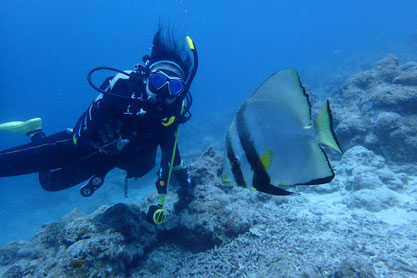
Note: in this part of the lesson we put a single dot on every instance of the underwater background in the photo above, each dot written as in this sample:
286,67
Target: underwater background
47,48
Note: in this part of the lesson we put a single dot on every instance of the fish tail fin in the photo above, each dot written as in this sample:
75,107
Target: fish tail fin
273,190
324,128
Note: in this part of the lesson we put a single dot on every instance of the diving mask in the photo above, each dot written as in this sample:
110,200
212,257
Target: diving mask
159,80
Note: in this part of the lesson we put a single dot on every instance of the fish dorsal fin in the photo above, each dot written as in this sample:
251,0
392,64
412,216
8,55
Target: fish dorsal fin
267,159
284,90
324,128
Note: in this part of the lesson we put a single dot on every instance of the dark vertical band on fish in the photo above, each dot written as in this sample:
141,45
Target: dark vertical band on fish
234,162
260,176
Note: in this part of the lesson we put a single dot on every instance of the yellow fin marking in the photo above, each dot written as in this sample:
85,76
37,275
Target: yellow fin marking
324,128
225,179
267,159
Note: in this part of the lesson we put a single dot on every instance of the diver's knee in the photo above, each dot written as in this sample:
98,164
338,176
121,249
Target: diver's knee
49,186
37,136
46,184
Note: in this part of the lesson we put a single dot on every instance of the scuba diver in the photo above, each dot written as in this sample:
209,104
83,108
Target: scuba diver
136,111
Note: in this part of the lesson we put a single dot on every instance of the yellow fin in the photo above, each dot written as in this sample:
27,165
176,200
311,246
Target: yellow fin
22,127
267,158
225,179
324,128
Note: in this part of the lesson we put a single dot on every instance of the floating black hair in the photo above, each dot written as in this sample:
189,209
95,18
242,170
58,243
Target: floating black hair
166,47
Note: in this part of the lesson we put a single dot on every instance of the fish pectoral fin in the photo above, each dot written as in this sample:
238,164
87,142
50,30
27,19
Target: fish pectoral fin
267,159
324,128
225,179
273,190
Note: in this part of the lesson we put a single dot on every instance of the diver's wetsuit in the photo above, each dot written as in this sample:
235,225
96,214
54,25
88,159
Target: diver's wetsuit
113,132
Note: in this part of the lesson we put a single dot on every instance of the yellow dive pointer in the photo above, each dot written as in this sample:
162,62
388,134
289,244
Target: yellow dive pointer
156,211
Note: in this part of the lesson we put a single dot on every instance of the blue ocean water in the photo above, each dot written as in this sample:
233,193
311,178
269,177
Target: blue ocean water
48,47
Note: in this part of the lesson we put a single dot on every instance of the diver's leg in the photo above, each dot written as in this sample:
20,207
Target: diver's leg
53,152
31,128
22,127
37,136
75,173
62,178
137,162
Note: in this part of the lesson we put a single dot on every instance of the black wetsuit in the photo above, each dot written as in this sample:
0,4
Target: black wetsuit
113,132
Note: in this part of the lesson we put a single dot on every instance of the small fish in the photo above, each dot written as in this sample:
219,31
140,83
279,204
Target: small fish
273,142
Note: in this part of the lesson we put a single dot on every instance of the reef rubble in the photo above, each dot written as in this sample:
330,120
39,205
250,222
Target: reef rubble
377,109
363,224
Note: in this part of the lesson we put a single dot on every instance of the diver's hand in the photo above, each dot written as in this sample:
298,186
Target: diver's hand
117,145
87,148
185,197
183,178
186,190
122,143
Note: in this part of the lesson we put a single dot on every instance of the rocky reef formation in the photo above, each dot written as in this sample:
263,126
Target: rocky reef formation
378,109
363,224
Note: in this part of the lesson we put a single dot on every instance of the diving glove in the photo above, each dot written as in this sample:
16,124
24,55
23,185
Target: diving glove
182,177
185,191
87,147
122,143
119,144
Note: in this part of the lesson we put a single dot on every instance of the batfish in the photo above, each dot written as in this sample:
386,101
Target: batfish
272,141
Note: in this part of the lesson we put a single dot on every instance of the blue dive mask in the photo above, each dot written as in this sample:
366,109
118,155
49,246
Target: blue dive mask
159,79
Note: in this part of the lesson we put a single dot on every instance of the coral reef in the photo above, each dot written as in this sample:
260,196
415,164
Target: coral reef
361,225
377,109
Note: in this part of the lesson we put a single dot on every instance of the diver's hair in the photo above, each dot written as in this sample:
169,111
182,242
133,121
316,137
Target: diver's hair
166,47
